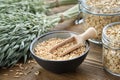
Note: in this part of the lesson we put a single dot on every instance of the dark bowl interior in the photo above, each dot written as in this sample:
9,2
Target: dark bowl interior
54,65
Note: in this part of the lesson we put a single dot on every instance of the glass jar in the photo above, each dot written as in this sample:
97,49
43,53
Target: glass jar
98,13
111,48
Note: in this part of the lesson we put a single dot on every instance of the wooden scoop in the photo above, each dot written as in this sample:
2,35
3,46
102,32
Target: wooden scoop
80,39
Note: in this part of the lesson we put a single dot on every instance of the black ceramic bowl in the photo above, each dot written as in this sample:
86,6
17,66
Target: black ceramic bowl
55,65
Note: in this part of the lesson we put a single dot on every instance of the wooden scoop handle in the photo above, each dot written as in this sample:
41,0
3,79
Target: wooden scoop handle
89,34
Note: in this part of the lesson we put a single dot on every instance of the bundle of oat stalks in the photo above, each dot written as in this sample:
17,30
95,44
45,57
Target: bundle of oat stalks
23,20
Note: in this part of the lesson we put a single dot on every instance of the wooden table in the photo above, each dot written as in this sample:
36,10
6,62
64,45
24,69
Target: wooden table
90,69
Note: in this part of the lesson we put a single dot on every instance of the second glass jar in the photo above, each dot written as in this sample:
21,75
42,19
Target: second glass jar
111,48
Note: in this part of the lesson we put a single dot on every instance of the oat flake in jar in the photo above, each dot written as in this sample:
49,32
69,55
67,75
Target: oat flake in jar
98,13
111,48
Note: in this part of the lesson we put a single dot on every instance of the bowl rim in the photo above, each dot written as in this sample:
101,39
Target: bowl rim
52,32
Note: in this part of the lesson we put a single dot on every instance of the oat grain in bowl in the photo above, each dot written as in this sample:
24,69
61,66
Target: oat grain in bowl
111,48
45,46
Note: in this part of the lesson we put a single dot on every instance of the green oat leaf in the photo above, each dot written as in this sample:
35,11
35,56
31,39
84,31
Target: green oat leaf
1,57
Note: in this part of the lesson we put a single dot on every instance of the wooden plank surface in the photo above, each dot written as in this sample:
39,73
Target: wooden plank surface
90,69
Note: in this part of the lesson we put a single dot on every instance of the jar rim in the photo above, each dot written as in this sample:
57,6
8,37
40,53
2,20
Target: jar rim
86,9
104,35
109,25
